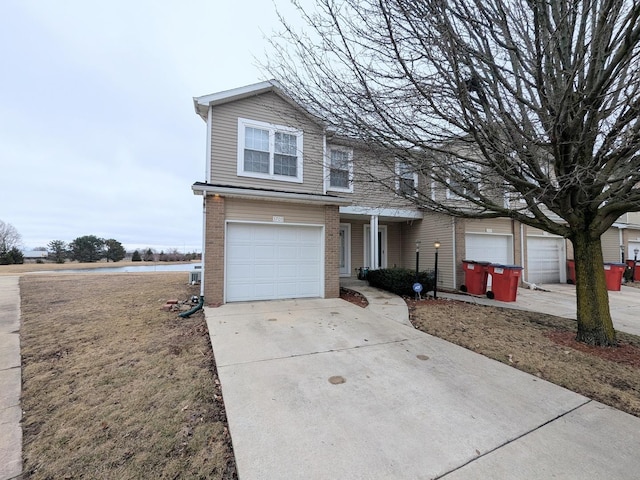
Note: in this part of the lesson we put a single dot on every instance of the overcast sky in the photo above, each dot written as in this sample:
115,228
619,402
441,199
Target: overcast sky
98,135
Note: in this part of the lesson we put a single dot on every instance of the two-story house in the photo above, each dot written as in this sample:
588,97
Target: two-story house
289,209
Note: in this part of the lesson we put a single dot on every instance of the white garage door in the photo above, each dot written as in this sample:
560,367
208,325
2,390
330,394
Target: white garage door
266,262
545,259
489,248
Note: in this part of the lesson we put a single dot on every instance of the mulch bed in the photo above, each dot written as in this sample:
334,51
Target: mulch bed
624,353
354,297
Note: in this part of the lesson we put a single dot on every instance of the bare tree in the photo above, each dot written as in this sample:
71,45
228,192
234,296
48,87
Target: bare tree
527,109
9,237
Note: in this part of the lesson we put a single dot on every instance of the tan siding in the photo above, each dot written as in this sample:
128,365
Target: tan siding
260,211
433,227
271,109
633,218
374,182
394,245
611,245
493,225
631,235
357,246
570,250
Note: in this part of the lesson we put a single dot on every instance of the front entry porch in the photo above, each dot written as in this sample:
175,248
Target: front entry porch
359,248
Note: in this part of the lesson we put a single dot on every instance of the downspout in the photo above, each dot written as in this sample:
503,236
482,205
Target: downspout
200,304
207,177
453,242
532,286
622,250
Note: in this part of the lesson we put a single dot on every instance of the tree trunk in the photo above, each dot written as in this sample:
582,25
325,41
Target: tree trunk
595,326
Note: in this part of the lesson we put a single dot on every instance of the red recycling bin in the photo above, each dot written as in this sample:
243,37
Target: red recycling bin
636,271
613,273
505,279
475,277
571,272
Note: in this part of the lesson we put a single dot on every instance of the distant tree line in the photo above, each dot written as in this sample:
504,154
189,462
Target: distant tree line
173,255
88,248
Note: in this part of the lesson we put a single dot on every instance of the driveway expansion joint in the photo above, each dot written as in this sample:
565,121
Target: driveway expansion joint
319,352
519,437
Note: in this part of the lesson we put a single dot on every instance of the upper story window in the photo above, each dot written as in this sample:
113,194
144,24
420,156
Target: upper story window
341,169
463,181
269,151
406,180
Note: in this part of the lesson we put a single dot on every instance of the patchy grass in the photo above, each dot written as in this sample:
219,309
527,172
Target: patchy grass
114,387
543,345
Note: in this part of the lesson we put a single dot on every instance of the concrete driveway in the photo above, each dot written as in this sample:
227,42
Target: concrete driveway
322,389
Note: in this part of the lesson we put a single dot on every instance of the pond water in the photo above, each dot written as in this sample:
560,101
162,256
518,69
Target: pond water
156,267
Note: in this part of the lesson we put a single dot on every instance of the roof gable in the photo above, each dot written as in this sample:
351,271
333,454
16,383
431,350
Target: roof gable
202,104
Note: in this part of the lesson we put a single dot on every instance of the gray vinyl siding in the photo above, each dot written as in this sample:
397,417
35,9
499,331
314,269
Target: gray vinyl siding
267,108
264,211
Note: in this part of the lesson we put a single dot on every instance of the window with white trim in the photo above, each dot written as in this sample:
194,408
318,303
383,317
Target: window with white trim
406,180
269,151
458,182
340,169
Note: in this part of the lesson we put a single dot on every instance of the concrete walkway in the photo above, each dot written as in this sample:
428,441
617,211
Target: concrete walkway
10,380
323,389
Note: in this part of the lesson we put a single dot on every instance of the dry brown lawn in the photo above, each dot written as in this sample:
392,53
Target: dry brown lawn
114,387
543,345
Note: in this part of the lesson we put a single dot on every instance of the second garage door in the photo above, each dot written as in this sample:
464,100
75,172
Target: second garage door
545,259
267,262
489,248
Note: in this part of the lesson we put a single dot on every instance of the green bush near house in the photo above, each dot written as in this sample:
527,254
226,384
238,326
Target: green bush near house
400,280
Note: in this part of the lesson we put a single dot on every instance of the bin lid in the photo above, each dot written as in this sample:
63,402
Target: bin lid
476,262
616,264
513,267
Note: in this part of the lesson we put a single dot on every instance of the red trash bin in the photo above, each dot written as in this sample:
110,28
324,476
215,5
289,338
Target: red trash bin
505,279
636,270
475,277
571,272
613,273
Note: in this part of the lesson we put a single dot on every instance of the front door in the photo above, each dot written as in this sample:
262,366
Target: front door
381,256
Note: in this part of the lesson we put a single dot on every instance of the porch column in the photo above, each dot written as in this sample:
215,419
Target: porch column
374,245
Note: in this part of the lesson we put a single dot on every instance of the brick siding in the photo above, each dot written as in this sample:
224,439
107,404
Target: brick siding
331,252
214,251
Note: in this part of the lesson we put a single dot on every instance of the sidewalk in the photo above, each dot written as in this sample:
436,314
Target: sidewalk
321,389
10,380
